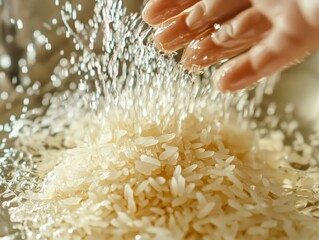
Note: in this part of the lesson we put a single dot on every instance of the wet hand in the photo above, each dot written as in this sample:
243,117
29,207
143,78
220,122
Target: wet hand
264,35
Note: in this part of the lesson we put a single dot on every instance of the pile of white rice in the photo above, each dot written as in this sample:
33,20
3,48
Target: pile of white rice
199,178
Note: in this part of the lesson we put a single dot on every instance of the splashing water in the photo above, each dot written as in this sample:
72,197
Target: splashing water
139,148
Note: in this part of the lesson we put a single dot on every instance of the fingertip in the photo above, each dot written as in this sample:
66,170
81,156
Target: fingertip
193,55
149,15
145,13
218,79
164,40
237,74
203,52
173,34
156,12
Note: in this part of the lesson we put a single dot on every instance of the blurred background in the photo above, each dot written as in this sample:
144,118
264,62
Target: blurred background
33,47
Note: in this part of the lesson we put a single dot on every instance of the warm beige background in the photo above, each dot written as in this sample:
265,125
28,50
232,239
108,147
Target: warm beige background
34,13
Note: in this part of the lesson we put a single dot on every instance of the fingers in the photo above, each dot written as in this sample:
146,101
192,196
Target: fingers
181,24
274,53
177,31
232,38
157,11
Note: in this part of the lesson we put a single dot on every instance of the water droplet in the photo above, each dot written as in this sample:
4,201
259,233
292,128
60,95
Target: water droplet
5,61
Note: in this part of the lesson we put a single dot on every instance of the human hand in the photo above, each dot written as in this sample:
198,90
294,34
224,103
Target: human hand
264,35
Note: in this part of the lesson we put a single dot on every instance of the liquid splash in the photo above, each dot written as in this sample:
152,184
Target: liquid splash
118,74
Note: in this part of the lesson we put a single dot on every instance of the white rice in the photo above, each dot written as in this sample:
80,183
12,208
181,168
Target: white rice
167,186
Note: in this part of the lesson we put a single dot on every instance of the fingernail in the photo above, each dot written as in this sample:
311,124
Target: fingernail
164,37
174,34
225,80
222,80
153,14
223,35
205,52
217,79
195,16
199,53
247,27
145,11
158,11
190,58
